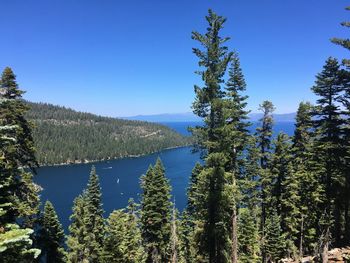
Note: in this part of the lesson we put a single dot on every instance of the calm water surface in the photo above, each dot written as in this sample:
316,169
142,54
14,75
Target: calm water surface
119,180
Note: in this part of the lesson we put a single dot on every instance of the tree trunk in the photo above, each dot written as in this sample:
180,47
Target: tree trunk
174,234
301,238
325,246
234,239
234,255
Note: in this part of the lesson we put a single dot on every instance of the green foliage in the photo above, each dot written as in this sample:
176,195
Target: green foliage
274,243
66,136
16,243
52,236
19,201
280,170
186,246
77,231
156,214
305,175
248,236
87,228
344,42
329,144
94,222
123,238
193,194
222,139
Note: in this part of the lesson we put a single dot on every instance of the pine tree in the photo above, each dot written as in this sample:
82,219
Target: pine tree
248,237
305,171
329,146
156,214
279,166
123,238
52,236
274,244
86,235
235,138
19,189
19,199
94,222
186,232
264,137
223,140
345,101
15,242
77,251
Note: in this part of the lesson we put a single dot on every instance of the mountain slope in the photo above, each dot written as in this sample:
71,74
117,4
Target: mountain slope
66,136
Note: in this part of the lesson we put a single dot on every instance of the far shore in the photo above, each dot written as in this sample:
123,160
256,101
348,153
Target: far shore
111,158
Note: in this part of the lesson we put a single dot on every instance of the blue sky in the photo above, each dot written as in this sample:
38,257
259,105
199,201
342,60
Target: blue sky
123,58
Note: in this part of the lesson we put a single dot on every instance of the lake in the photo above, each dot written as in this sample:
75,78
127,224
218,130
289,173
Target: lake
120,178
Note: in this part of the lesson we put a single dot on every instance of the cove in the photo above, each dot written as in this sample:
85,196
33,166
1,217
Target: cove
119,179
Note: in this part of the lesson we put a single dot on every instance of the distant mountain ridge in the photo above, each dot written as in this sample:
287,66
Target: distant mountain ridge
190,117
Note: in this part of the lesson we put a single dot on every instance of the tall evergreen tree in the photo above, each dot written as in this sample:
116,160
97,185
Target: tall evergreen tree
18,194
264,137
15,242
223,139
345,100
156,214
94,221
235,138
329,145
52,236
305,172
87,228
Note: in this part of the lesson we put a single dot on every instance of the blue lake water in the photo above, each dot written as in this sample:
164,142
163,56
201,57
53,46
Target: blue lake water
120,178
182,127
62,184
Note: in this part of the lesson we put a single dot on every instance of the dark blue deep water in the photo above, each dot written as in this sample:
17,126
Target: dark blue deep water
61,184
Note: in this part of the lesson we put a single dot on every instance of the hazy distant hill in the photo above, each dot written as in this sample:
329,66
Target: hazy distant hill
190,117
166,117
63,135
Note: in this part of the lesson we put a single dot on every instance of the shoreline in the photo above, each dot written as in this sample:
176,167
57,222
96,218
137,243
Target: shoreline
112,159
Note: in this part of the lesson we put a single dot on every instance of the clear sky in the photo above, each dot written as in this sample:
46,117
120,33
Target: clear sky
123,58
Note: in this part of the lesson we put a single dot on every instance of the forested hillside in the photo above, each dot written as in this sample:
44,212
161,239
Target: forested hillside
63,135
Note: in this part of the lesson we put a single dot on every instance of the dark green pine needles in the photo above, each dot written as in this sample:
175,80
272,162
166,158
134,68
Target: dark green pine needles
52,236
156,214
87,229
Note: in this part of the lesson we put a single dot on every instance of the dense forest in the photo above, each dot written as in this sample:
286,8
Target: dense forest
254,198
63,135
